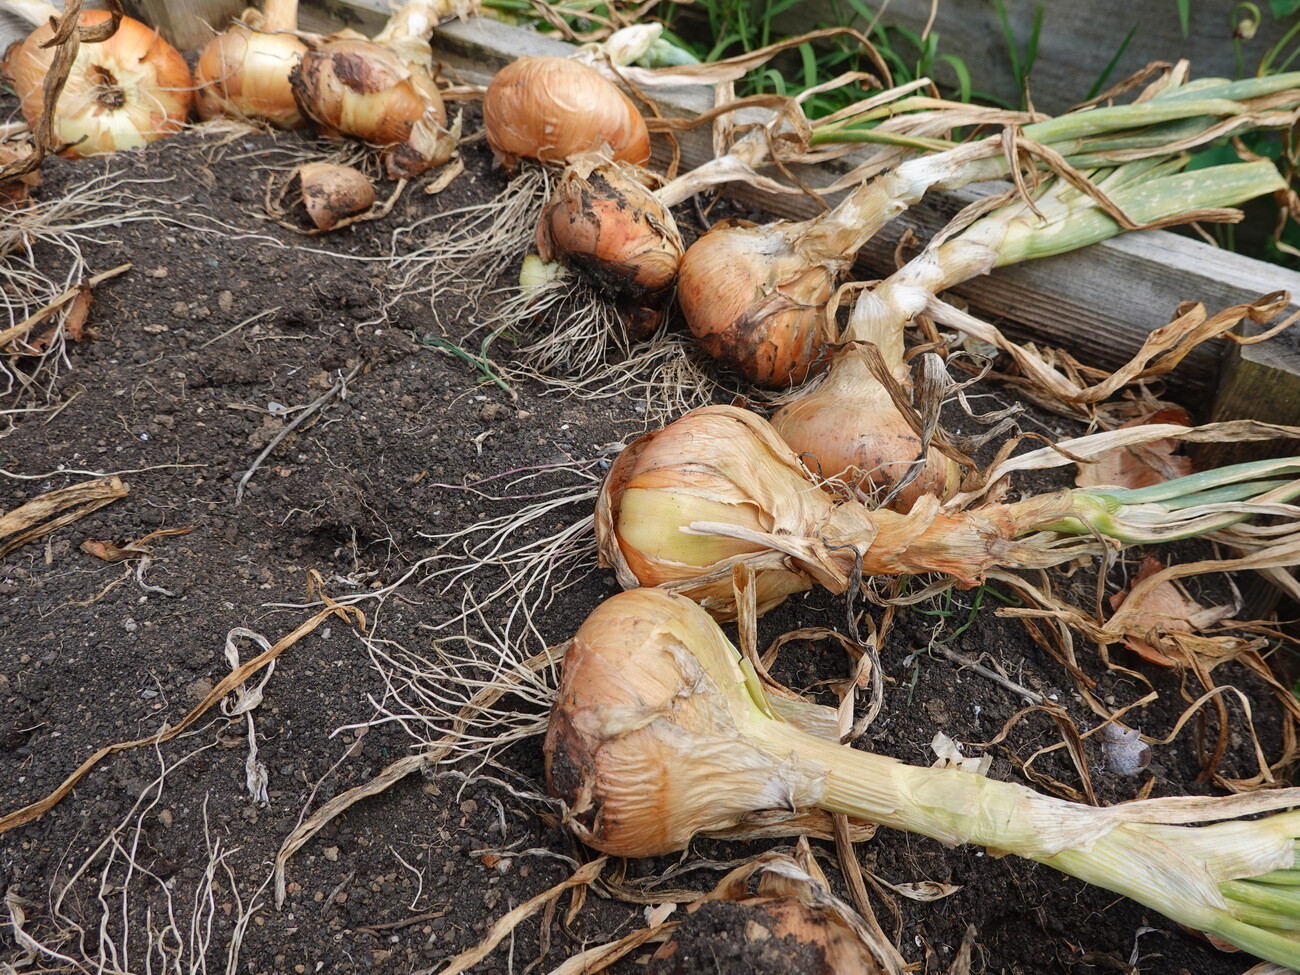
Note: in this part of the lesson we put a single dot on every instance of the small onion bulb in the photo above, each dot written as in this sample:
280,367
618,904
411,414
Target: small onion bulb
121,93
554,109
244,71
331,193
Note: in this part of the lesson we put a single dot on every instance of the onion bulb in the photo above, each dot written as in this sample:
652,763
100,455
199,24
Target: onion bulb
554,109
121,93
848,428
682,506
755,298
603,222
658,733
380,91
243,72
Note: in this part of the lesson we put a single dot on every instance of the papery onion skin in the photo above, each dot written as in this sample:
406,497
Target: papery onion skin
756,303
243,72
648,791
603,222
554,109
121,93
362,89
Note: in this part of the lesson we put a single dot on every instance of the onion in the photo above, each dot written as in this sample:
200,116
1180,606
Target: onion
848,428
554,109
755,298
603,222
682,506
332,193
658,734
121,93
243,72
380,91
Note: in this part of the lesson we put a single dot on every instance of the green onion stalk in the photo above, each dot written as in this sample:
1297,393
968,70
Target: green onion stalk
660,732
848,426
755,297
682,506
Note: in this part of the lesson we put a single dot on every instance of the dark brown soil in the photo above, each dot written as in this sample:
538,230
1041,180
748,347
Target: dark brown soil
170,389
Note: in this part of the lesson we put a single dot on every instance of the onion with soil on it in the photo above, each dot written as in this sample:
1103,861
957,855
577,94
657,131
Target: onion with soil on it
381,91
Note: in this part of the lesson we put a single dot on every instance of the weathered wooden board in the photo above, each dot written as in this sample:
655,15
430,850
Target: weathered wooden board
1076,43
186,24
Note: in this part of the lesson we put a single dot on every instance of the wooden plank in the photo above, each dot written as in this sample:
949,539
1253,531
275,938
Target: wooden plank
186,24
1076,42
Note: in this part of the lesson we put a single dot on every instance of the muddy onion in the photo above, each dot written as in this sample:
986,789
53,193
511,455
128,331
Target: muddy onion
604,223
243,72
121,93
553,109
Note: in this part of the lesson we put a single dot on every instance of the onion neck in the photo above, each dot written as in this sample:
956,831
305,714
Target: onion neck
882,313
280,15
1172,869
840,233
738,164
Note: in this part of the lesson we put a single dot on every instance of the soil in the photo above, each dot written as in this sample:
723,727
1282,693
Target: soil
159,858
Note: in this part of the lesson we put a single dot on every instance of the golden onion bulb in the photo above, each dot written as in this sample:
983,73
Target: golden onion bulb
553,109
121,93
363,89
725,468
848,428
243,72
756,302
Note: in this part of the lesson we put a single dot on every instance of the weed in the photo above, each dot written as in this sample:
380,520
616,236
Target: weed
480,362
950,607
